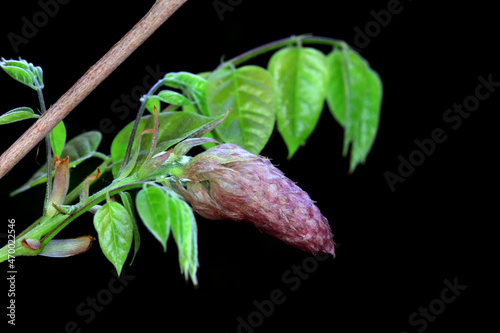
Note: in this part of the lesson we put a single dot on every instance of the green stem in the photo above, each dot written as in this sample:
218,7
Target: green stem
102,156
49,228
45,229
303,39
18,249
41,101
34,224
122,185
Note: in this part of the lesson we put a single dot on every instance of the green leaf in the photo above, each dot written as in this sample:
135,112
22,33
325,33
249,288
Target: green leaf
172,97
185,232
300,78
248,92
38,73
82,147
354,97
79,149
174,127
24,72
338,96
181,80
162,210
58,138
115,230
154,209
128,203
166,96
17,114
193,86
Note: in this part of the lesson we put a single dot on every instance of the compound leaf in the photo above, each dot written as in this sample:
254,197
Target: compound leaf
24,72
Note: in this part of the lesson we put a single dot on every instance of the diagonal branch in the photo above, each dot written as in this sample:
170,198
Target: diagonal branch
157,15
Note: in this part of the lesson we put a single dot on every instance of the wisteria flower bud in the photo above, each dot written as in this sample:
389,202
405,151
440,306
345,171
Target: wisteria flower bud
228,182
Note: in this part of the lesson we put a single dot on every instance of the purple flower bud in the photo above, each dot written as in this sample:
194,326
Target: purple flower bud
228,182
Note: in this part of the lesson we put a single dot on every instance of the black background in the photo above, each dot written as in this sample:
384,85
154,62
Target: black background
395,247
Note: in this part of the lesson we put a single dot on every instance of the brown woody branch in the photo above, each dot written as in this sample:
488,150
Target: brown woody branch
157,15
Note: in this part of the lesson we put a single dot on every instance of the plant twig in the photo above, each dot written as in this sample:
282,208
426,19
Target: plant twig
277,44
157,15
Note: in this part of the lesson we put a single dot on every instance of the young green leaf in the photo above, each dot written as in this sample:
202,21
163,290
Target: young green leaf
185,232
174,127
82,147
79,149
154,209
166,96
128,203
115,230
193,86
354,97
17,114
38,73
172,97
58,138
24,72
300,78
181,80
162,210
248,92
